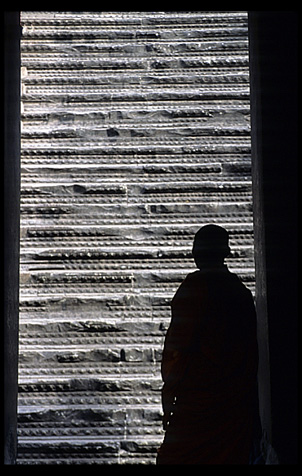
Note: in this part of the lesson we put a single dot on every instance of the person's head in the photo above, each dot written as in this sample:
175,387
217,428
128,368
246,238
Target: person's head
210,246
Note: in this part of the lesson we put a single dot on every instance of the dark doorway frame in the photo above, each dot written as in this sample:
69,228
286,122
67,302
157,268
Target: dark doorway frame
273,43
11,228
273,71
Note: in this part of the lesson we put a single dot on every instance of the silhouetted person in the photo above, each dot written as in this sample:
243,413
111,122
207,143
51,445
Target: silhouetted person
209,362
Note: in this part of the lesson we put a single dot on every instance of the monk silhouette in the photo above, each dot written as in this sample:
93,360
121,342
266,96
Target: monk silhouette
209,362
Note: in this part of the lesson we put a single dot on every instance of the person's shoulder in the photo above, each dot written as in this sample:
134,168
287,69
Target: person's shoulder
237,281
194,275
195,278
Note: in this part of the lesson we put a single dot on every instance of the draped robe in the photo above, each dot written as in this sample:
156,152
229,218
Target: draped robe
209,369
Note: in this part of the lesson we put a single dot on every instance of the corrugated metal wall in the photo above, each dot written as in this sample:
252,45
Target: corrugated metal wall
135,132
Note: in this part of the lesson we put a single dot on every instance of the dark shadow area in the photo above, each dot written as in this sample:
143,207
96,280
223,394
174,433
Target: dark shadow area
11,232
273,39
209,363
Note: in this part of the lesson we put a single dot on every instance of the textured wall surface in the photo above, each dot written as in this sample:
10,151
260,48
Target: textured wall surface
135,132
